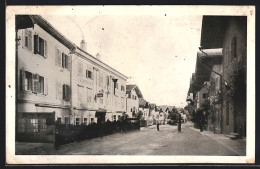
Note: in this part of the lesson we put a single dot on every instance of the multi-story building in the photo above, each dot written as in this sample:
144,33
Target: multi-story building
98,90
144,107
229,73
132,101
43,79
58,81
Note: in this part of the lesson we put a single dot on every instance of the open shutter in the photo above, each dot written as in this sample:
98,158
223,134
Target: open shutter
63,60
22,79
46,86
69,63
30,40
45,48
64,92
36,44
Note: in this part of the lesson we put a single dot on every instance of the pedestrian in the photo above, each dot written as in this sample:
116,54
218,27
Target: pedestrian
201,120
157,123
179,123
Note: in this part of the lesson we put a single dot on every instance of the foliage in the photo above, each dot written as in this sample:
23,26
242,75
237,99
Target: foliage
235,81
173,114
70,133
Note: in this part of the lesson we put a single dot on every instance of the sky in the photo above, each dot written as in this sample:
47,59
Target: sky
157,51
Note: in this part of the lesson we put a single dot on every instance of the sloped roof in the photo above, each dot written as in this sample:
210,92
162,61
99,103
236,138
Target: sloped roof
142,102
136,88
129,87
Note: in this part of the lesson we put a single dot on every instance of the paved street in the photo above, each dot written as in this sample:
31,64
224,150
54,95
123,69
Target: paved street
149,141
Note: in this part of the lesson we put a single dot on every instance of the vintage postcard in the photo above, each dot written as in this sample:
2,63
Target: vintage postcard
130,84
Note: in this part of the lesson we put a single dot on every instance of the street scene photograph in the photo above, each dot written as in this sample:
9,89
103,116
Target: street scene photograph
126,81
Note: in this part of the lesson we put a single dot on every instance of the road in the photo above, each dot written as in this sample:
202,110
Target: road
149,141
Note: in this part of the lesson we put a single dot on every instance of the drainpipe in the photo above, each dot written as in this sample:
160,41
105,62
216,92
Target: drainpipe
205,66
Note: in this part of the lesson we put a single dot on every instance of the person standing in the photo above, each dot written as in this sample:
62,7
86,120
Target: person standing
157,123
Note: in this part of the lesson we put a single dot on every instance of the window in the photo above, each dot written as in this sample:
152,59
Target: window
77,121
122,88
118,116
116,85
234,48
85,121
89,74
66,61
27,81
28,39
92,120
42,125
32,125
59,120
129,96
66,92
33,82
67,121
114,117
204,95
133,97
40,46
227,113
41,85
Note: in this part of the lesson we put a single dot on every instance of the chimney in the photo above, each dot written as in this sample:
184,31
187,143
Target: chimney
83,45
98,56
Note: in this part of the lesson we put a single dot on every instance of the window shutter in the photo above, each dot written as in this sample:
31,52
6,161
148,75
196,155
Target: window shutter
30,40
63,92
22,79
45,48
63,60
69,63
46,86
36,44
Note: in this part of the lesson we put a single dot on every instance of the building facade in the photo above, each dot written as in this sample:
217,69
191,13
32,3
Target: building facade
132,101
42,90
60,83
98,91
228,73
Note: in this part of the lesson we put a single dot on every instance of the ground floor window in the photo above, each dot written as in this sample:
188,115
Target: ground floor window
67,121
114,117
32,125
85,121
77,121
92,120
58,120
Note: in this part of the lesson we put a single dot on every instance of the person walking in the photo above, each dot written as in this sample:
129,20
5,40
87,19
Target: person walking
157,123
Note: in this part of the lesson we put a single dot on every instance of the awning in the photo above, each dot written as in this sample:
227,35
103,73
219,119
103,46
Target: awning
100,112
23,21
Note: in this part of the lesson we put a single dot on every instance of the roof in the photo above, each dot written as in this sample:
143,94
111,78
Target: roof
213,30
142,102
204,63
129,88
163,107
39,20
